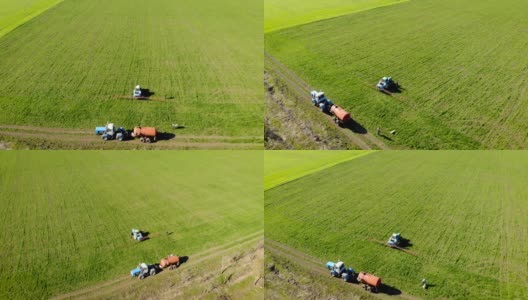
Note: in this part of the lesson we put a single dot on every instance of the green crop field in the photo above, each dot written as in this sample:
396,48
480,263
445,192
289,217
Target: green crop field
71,67
284,166
465,214
461,64
280,14
15,13
67,215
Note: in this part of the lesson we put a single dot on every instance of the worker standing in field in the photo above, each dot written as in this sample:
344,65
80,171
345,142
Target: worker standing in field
424,284
379,131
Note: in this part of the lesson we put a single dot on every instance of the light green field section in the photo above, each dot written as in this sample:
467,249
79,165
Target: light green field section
461,66
67,216
280,14
281,166
76,66
14,13
463,212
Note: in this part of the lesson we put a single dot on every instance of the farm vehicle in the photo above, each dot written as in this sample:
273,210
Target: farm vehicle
319,100
370,282
143,270
341,116
138,235
137,91
140,93
394,240
172,262
145,134
110,132
339,270
387,84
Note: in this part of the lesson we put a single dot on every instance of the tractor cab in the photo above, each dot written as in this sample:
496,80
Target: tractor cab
137,235
339,266
394,239
110,128
137,91
319,99
386,83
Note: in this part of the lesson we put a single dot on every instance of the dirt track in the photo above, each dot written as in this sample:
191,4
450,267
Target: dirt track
118,285
361,138
315,265
59,138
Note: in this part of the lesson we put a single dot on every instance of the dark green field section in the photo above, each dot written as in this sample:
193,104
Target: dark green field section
67,216
465,214
461,64
71,66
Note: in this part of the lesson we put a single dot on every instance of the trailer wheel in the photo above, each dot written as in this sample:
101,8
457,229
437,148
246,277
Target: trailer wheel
141,139
147,140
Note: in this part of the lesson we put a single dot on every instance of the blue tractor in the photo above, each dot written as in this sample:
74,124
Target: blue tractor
387,84
319,100
143,270
339,270
394,240
110,132
138,92
138,235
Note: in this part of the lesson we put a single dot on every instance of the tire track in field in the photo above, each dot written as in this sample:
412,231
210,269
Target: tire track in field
315,265
80,138
302,88
124,281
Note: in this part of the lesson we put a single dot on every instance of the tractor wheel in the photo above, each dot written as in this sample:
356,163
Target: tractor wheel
152,272
105,137
141,277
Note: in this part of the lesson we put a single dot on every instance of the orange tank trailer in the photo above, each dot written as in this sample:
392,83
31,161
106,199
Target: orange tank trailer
145,134
171,261
341,116
372,281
